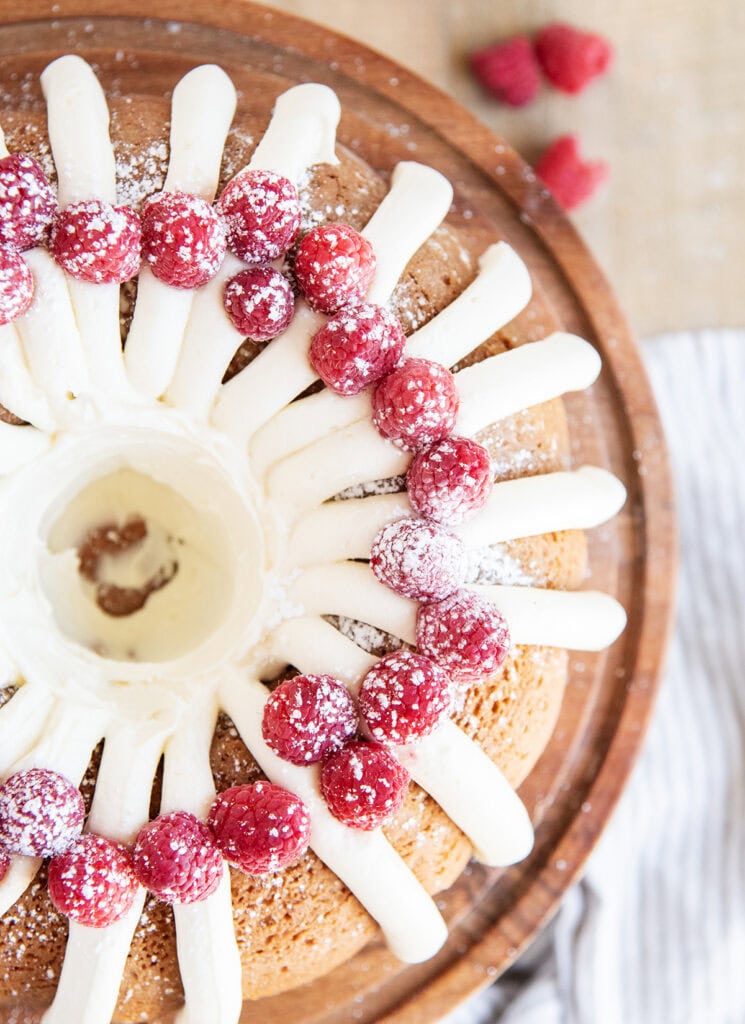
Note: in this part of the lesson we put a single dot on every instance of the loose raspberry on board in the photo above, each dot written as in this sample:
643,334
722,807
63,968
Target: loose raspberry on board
94,883
334,266
41,813
16,285
568,177
416,404
176,857
261,827
364,785
183,239
509,71
404,697
451,480
464,634
28,202
97,242
357,347
418,559
309,717
570,58
262,215
259,302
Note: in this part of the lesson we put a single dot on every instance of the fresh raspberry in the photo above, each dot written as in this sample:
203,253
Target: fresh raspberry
183,239
41,813
451,480
570,179
93,883
417,559
571,59
363,785
262,214
261,827
404,697
177,859
4,863
464,634
16,285
416,404
508,71
357,347
27,202
259,302
97,242
308,717
334,266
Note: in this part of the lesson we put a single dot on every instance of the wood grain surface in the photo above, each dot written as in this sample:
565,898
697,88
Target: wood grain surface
669,119
390,115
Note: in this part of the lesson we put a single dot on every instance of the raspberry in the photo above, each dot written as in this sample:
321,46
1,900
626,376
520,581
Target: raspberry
16,285
363,785
308,717
403,697
334,266
262,214
177,859
570,179
464,634
417,559
261,827
27,202
93,883
183,239
4,863
572,59
41,813
259,302
451,480
357,347
97,242
416,404
508,71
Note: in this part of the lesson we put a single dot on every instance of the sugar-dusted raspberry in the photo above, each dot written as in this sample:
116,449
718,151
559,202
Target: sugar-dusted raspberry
262,214
261,827
571,179
16,285
571,59
416,404
183,239
93,883
508,71
4,863
27,202
418,559
177,859
464,634
404,697
364,785
357,347
308,717
451,480
41,813
259,302
334,266
97,242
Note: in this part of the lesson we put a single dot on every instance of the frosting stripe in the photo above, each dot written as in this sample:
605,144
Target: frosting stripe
473,792
22,720
313,645
19,445
579,620
209,963
201,113
344,529
365,861
301,133
18,392
533,505
94,960
78,122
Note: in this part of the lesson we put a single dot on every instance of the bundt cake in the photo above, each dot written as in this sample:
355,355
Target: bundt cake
284,602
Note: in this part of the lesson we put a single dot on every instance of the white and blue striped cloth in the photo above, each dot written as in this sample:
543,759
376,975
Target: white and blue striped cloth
655,932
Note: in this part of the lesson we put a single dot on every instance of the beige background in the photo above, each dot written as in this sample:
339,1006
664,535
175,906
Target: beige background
670,118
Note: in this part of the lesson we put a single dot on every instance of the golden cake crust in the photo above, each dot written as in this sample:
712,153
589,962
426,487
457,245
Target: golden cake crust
297,925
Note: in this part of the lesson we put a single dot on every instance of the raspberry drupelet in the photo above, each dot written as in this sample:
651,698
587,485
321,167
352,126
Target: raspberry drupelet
334,266
357,347
262,215
363,785
261,827
41,813
16,285
451,480
94,883
308,717
27,202
403,697
418,559
97,242
177,859
416,404
183,239
259,302
464,634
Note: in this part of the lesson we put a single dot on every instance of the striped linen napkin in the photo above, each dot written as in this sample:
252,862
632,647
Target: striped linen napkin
655,931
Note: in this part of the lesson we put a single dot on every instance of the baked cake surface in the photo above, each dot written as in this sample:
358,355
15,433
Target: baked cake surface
321,609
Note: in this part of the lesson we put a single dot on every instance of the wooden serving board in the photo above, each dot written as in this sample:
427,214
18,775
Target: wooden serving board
390,115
